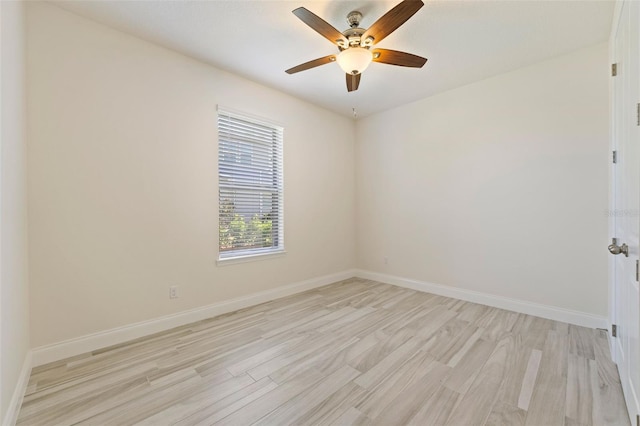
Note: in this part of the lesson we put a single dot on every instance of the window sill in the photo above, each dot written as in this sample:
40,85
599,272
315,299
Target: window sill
249,258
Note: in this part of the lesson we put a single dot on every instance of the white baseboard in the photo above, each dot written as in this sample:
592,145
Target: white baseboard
91,342
11,417
545,311
68,348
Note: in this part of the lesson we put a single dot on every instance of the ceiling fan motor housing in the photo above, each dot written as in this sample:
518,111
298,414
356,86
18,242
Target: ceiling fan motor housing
354,34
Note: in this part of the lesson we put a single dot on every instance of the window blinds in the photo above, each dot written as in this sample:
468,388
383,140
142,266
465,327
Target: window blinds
250,186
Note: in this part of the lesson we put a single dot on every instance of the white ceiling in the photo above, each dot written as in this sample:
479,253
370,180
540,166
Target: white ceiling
465,41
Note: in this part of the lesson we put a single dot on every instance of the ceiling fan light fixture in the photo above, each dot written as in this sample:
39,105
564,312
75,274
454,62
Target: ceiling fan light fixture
354,60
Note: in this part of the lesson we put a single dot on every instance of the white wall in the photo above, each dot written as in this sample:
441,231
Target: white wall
123,180
499,186
14,289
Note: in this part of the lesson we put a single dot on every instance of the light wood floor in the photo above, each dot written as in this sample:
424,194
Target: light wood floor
354,352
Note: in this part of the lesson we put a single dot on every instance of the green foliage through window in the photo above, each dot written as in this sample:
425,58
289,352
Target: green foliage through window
238,232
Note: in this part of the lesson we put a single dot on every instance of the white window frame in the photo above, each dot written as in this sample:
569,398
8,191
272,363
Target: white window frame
229,119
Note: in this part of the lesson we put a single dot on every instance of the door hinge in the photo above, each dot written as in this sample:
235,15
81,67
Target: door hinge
614,156
614,70
638,270
614,330
638,114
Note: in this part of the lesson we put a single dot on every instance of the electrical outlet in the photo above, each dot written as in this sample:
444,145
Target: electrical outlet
173,292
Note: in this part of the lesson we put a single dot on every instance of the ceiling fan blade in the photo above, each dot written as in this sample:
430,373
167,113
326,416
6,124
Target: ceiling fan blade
391,20
320,25
394,57
312,64
353,81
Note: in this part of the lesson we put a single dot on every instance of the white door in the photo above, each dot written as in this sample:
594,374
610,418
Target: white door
626,199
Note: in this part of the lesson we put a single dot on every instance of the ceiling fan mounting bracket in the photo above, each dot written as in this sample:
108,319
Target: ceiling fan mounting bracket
354,18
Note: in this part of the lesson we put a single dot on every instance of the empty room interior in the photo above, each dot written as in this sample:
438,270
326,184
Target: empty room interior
312,212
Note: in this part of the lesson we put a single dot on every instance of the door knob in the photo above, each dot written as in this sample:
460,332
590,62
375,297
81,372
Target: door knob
614,248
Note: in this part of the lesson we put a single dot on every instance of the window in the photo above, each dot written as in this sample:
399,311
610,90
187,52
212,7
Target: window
250,186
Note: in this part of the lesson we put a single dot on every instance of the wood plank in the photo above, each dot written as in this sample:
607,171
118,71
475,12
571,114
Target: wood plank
478,401
609,407
262,406
548,400
504,414
310,361
205,404
532,330
408,403
581,342
333,407
351,417
448,340
579,402
468,368
529,380
306,401
274,364
373,356
388,364
437,409
376,400
465,347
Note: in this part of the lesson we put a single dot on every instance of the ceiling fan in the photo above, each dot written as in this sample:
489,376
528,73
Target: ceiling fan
355,44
